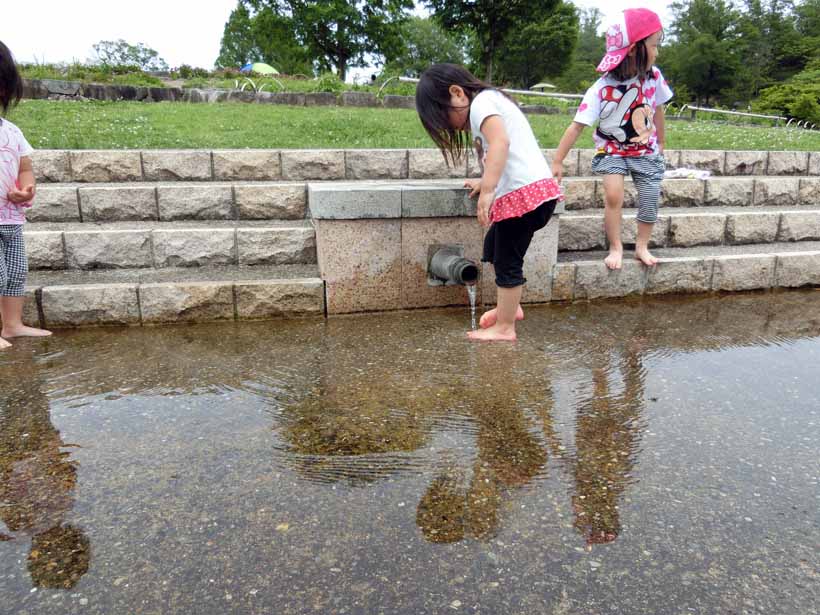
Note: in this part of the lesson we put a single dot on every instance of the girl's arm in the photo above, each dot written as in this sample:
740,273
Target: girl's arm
498,149
660,128
571,135
24,192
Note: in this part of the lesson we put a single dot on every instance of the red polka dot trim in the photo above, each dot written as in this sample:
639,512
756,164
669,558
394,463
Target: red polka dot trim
525,199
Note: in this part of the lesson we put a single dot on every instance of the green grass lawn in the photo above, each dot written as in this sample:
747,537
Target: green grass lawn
132,125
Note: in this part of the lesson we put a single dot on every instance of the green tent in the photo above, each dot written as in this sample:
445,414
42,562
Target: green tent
260,68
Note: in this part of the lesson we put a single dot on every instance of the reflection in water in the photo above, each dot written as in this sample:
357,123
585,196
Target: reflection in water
608,426
37,482
272,454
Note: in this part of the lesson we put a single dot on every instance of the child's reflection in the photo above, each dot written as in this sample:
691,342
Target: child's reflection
509,456
606,439
37,481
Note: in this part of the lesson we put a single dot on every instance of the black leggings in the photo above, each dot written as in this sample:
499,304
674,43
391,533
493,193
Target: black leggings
506,244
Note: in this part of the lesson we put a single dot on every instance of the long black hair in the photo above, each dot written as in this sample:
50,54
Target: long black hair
11,84
433,104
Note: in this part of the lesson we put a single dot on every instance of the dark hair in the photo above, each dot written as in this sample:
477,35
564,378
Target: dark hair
11,84
634,66
433,103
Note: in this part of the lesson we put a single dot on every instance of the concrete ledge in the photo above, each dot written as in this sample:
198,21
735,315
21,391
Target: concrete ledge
341,201
363,200
798,269
169,165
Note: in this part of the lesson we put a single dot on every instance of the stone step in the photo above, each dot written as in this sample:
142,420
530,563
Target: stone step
247,200
300,165
134,297
114,202
737,191
583,275
690,227
159,245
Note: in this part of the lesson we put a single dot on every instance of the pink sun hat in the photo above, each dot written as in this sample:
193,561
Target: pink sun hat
632,26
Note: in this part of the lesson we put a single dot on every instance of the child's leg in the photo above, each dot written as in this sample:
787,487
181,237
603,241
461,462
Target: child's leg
614,202
647,172
642,252
506,245
11,309
12,299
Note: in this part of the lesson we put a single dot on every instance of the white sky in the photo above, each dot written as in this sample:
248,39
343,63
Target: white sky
182,31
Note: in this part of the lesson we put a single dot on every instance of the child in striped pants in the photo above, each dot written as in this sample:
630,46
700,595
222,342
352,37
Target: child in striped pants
16,193
627,103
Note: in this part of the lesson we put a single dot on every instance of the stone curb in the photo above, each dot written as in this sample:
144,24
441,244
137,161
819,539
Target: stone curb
48,88
592,280
177,302
90,166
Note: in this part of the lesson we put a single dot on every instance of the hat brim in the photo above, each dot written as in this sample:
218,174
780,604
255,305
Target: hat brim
612,59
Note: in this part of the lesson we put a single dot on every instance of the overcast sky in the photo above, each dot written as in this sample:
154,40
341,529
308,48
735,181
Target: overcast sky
182,31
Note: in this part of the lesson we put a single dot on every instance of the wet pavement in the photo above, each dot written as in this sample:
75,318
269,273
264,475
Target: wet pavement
648,456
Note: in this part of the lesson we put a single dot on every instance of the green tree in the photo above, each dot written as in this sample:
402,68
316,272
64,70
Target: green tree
704,55
238,46
540,47
490,20
123,53
424,43
263,36
343,33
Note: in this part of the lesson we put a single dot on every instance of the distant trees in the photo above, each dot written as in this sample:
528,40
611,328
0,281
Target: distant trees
424,42
123,53
732,51
323,34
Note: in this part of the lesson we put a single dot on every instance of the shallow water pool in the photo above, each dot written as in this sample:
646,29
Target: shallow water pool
649,456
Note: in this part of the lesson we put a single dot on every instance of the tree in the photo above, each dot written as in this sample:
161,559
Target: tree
424,43
540,47
263,36
122,53
704,56
490,20
342,33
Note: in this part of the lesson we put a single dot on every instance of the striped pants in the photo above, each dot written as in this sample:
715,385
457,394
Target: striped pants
647,173
13,261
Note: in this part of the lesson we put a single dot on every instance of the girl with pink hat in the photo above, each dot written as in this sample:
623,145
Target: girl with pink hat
627,104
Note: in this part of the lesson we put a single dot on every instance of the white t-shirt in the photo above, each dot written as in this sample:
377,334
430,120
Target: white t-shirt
625,112
525,162
13,146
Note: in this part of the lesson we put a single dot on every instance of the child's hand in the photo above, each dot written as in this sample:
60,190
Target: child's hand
485,202
558,170
19,196
474,185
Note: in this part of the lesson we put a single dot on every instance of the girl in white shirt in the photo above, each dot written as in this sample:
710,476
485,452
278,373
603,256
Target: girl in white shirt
16,193
516,193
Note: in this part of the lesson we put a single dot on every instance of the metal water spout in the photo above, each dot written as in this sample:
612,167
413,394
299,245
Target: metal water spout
448,266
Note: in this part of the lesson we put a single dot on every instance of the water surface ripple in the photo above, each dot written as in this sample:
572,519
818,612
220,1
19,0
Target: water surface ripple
651,456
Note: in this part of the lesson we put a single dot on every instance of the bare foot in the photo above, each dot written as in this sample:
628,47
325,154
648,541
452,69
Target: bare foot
488,318
643,255
4,344
615,259
24,331
492,334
